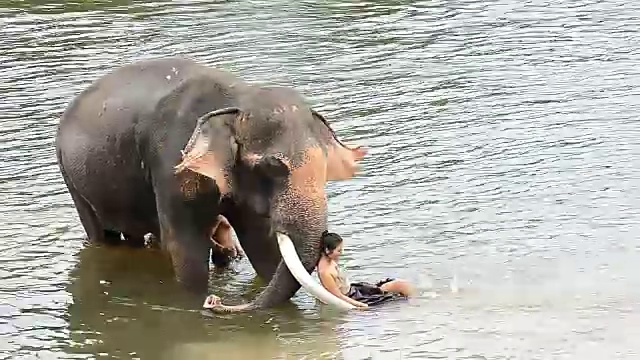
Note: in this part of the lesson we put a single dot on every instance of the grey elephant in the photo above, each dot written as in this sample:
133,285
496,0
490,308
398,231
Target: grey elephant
164,146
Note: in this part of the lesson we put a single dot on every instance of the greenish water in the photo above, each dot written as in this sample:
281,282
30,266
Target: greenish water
504,159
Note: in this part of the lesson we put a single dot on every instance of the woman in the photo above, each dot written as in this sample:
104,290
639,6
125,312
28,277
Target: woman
222,240
359,294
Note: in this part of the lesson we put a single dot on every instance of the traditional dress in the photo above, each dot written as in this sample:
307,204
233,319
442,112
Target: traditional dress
370,294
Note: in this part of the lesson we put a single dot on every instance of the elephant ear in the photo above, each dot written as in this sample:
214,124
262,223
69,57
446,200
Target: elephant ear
212,148
342,159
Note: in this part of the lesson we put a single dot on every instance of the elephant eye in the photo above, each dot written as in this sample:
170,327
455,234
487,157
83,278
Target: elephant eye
272,167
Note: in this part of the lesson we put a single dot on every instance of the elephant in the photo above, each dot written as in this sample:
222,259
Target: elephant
167,145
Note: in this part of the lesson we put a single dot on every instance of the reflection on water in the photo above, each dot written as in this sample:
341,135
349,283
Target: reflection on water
504,151
125,303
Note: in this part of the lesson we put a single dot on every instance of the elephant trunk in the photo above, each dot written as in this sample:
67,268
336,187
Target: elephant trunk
293,271
281,288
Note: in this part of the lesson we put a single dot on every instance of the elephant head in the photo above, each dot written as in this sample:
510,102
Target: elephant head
272,151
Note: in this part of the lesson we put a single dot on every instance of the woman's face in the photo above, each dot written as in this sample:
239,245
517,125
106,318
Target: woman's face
335,254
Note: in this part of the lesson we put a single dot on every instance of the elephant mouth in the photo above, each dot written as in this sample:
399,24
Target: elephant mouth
292,260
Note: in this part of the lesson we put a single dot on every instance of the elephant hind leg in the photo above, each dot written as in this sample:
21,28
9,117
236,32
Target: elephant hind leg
88,218
90,222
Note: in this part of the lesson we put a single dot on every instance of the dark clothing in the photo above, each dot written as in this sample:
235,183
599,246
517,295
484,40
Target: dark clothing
371,294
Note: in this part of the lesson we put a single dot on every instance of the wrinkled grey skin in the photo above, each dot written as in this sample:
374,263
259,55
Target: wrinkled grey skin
120,143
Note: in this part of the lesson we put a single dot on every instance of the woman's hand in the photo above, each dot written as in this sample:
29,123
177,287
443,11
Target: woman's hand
359,305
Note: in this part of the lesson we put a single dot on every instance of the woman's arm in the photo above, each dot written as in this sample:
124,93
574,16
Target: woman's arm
328,281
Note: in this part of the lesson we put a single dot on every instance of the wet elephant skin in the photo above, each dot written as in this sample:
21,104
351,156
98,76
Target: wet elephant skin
125,149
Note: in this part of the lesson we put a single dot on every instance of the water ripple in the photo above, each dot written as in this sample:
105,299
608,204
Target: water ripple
503,153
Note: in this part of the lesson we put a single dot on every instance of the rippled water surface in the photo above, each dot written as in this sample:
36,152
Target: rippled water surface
503,178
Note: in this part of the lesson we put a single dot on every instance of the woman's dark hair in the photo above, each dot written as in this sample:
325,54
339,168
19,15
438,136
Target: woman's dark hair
330,241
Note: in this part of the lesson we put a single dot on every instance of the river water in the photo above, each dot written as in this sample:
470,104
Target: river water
503,178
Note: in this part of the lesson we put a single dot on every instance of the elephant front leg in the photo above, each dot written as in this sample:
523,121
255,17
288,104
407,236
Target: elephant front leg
185,237
256,239
187,206
189,257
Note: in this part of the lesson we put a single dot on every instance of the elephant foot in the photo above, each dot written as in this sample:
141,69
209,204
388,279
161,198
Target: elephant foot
214,303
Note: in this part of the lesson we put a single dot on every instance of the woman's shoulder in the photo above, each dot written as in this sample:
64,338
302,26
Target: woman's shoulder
324,266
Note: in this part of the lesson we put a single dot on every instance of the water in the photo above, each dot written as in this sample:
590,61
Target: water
504,164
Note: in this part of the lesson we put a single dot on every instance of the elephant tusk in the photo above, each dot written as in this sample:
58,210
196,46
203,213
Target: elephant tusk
292,260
